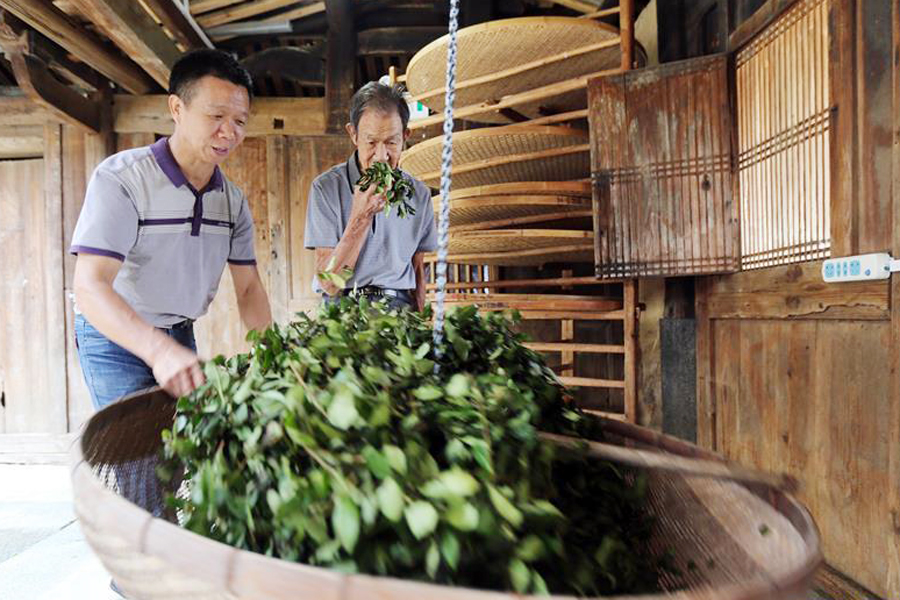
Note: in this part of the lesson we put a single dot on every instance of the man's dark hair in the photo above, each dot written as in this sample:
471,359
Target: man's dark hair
195,65
381,97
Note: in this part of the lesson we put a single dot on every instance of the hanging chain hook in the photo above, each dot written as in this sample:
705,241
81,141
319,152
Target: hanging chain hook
446,166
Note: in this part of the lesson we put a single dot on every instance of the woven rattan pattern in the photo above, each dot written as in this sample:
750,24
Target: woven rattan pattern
496,46
472,147
713,530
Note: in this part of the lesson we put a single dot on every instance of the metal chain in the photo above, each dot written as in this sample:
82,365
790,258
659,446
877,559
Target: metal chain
446,165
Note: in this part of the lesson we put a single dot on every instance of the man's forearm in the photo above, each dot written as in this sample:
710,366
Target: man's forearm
254,309
107,312
346,253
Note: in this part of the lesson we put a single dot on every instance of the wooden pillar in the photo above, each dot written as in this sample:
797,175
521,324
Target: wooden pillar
626,27
340,64
278,273
630,308
892,536
54,283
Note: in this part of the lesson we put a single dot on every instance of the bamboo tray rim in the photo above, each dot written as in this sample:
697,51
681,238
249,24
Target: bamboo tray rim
549,131
216,563
503,23
575,189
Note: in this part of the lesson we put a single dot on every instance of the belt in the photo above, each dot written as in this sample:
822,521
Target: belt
186,324
376,292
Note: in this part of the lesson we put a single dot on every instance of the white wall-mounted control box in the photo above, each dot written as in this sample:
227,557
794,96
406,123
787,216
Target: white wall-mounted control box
857,268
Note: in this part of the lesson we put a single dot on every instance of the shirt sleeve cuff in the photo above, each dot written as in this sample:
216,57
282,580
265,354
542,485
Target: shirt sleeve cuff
96,251
242,261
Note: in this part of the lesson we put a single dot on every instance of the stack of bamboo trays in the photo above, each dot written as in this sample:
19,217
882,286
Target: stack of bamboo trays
521,192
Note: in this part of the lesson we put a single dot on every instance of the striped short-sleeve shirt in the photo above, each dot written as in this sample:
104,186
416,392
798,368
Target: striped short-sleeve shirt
172,239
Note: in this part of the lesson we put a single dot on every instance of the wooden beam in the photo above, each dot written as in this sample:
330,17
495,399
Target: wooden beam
135,32
340,64
626,26
203,6
21,142
18,110
58,59
396,40
242,11
303,65
43,16
181,24
268,116
302,12
578,5
33,77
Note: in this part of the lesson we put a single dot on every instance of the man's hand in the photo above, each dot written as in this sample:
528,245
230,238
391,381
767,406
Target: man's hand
366,203
176,368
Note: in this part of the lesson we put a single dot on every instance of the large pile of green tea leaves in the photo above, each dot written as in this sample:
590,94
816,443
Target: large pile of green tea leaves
335,443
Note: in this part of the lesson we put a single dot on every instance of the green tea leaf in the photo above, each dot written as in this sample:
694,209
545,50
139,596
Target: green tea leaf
390,499
504,507
345,520
421,517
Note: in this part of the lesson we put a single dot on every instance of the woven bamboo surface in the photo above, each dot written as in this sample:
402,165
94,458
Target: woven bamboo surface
504,154
571,252
503,57
712,529
515,240
515,201
534,302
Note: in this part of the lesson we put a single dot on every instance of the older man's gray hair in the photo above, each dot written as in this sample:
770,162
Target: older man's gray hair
380,97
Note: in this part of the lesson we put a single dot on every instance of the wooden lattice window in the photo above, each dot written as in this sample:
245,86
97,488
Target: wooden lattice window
662,170
783,139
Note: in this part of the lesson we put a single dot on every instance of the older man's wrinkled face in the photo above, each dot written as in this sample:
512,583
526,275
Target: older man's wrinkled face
378,138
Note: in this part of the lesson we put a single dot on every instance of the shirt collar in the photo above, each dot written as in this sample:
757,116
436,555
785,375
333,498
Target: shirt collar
166,161
353,169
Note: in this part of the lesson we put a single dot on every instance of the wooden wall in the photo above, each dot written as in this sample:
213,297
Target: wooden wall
276,173
800,376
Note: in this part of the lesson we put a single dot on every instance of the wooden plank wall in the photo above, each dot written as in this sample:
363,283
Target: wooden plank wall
276,173
40,381
795,375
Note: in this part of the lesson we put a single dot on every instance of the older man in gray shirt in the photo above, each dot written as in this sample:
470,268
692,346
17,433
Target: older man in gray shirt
348,228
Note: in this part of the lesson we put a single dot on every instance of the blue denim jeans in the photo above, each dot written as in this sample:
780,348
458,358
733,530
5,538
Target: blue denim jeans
110,370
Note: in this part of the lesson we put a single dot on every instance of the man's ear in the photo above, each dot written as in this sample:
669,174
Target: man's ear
351,132
176,106
406,133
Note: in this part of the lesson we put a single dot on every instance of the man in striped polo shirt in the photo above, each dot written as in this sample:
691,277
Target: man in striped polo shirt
157,228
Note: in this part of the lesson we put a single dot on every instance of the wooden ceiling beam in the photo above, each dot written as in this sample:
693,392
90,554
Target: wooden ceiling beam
204,6
18,110
303,66
43,16
242,11
181,24
581,6
135,32
396,40
42,88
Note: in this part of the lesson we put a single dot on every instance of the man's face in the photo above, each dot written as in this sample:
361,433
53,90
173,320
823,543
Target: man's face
212,122
378,138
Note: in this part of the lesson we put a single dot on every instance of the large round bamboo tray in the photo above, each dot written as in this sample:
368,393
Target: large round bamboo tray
509,56
517,202
714,526
504,154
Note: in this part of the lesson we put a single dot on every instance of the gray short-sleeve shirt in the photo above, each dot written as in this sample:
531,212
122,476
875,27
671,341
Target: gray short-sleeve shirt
386,257
173,240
